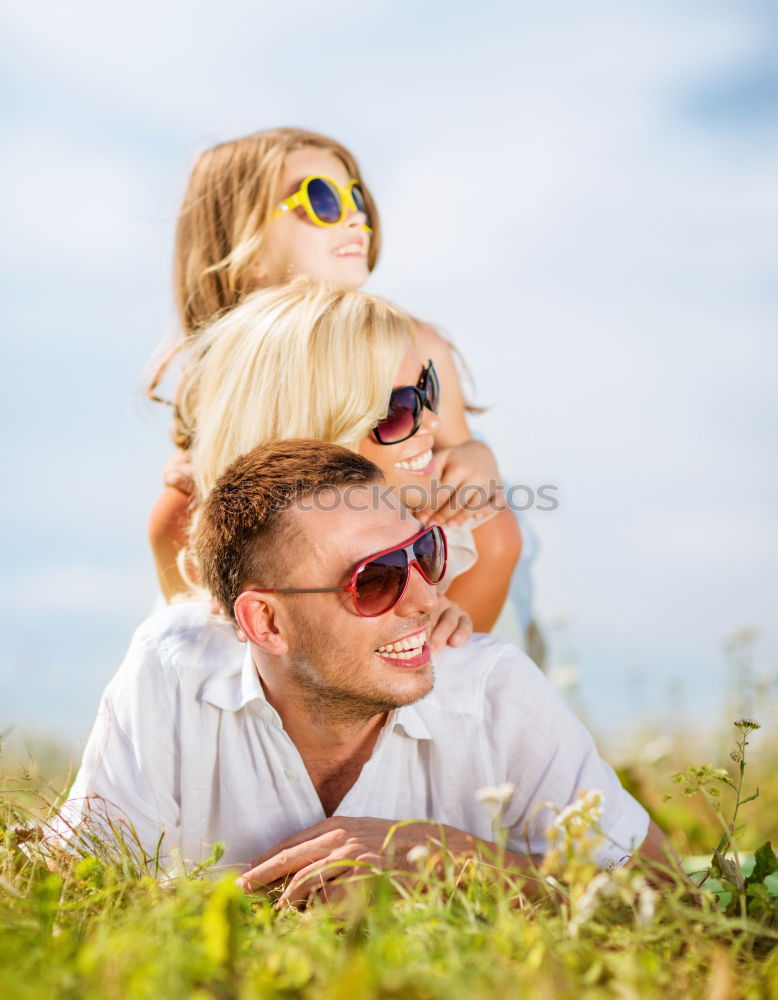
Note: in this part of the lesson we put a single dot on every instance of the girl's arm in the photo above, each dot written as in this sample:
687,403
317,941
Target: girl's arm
482,590
168,529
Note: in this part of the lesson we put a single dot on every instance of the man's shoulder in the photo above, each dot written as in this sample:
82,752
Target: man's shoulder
181,626
181,639
469,676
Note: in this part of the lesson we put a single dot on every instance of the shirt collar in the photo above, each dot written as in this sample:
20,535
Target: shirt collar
234,689
408,717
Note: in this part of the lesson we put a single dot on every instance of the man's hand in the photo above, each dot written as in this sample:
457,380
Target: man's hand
469,485
317,857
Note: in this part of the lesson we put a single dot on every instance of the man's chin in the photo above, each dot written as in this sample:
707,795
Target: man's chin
421,682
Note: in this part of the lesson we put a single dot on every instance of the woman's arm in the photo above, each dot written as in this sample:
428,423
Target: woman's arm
168,531
482,590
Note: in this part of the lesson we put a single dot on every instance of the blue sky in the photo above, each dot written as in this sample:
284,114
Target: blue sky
582,196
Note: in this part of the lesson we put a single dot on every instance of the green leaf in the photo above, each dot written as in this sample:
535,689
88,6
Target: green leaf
765,863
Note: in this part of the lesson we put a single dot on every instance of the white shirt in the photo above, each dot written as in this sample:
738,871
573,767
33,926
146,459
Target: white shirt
185,742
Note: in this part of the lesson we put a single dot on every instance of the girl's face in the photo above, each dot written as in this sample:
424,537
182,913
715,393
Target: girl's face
409,464
294,245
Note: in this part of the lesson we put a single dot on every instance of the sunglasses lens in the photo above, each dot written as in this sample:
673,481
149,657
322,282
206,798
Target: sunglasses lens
325,201
380,583
430,552
359,198
432,387
402,420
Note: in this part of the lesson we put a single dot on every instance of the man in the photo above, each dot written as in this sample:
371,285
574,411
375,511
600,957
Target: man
306,745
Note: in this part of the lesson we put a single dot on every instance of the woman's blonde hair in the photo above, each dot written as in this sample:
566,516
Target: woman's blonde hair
300,360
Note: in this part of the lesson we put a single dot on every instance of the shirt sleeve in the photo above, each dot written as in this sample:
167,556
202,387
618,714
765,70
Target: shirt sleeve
127,787
546,753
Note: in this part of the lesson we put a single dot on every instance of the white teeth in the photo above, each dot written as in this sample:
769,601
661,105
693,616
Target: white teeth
405,649
348,249
421,462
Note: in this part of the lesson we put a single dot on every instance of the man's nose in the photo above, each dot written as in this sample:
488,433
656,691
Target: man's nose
419,598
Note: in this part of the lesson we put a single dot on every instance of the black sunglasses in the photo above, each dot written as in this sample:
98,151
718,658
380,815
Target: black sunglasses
406,408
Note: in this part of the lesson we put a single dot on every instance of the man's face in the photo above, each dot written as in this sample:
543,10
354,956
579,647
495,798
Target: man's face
334,656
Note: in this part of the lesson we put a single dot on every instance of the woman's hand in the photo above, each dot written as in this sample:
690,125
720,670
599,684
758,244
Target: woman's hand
468,485
451,626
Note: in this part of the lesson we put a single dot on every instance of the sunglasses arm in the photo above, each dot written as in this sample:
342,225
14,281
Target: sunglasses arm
293,201
303,590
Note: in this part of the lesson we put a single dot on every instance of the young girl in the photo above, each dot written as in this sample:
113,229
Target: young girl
305,360
257,212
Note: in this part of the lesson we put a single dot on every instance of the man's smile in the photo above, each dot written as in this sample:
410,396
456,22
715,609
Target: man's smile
410,651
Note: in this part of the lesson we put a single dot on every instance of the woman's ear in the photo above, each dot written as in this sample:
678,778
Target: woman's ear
257,619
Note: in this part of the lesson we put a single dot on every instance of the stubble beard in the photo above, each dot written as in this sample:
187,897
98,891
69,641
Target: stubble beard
324,700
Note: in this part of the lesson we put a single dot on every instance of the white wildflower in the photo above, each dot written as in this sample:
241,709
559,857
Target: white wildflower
582,814
417,853
585,905
646,900
497,794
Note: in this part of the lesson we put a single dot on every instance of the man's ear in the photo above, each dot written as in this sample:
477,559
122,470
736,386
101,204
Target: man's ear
257,619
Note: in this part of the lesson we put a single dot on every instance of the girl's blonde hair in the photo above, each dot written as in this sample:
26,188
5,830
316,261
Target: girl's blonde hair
300,360
233,191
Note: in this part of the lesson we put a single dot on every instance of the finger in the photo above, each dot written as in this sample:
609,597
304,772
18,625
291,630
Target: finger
472,498
316,879
299,890
442,501
288,861
311,881
462,632
301,837
445,626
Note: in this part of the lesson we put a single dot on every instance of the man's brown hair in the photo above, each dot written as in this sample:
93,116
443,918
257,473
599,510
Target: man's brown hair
242,533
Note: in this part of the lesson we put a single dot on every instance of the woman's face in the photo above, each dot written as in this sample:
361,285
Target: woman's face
409,464
294,245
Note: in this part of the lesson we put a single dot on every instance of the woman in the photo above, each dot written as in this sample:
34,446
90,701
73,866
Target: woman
316,361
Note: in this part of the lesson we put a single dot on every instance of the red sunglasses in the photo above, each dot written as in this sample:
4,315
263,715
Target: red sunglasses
379,581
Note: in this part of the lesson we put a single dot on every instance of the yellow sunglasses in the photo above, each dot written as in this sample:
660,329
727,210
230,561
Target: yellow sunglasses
325,202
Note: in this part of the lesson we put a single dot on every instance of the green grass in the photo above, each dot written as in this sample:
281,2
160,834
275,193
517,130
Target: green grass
101,928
